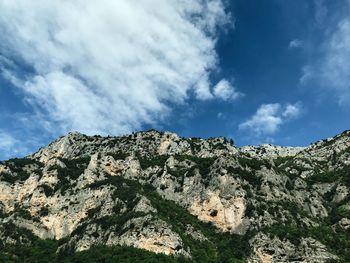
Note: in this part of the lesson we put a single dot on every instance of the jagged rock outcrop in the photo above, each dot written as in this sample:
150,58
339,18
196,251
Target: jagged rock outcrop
285,204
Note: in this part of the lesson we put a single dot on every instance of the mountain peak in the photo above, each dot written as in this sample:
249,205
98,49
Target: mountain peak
157,191
152,142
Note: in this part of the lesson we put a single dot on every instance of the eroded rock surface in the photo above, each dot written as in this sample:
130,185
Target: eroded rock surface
109,191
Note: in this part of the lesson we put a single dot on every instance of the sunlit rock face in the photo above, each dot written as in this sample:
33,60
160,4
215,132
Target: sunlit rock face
92,190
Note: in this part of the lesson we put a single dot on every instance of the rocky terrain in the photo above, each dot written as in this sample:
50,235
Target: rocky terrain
156,197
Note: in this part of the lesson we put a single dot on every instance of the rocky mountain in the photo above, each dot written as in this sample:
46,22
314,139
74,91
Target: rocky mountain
156,197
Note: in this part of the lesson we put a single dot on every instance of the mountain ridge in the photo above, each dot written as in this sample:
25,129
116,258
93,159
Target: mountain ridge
271,202
245,148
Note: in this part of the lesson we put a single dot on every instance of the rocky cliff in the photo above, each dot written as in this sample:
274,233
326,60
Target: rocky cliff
185,199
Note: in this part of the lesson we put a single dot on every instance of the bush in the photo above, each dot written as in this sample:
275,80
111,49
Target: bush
331,176
154,161
203,164
249,176
118,155
253,163
220,247
48,190
336,240
17,166
74,167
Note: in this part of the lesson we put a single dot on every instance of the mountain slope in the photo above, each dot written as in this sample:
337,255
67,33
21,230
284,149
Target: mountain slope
191,199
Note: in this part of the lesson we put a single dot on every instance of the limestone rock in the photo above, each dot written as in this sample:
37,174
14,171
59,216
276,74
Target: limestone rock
94,190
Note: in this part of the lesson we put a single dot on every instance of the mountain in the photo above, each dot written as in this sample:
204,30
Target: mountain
156,197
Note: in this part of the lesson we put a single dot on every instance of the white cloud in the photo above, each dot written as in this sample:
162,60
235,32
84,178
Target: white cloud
295,43
111,66
266,119
224,90
321,12
6,140
10,146
269,117
292,110
331,71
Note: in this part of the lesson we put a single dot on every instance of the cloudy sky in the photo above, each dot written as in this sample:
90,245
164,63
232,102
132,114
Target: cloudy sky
275,71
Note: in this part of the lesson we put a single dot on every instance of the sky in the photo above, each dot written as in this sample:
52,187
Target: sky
256,71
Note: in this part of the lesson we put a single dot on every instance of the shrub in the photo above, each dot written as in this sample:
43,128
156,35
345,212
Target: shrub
203,164
74,167
118,155
17,166
253,163
158,160
249,176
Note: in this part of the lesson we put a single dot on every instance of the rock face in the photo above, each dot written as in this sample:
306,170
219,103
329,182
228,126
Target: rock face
270,151
162,193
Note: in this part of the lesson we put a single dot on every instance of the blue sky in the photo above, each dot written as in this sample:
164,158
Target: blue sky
272,71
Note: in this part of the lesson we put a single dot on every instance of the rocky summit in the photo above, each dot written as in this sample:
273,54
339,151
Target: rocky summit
157,197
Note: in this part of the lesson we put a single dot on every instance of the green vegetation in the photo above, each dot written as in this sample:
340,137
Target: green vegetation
343,211
220,247
331,176
281,160
279,208
44,251
253,163
217,248
17,166
119,254
339,210
158,160
16,233
326,177
44,211
7,177
118,155
219,146
245,174
194,144
289,185
335,239
203,164
49,191
281,163
18,163
74,168
21,212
